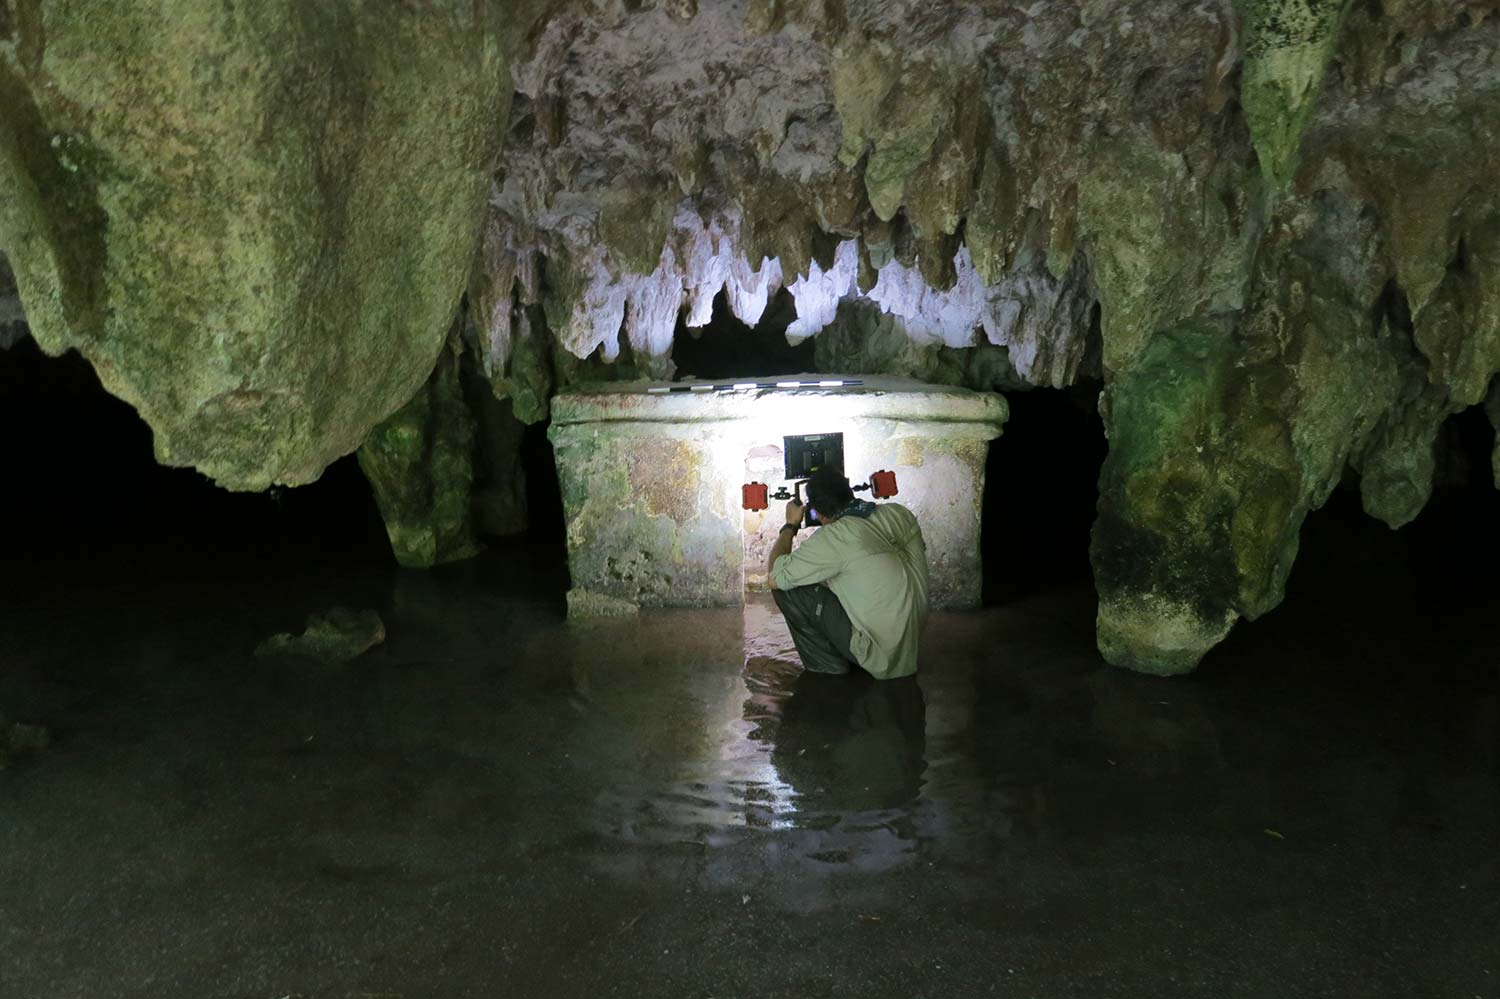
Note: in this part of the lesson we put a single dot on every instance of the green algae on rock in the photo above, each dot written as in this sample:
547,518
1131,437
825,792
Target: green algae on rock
334,636
1288,44
254,221
446,467
18,739
419,463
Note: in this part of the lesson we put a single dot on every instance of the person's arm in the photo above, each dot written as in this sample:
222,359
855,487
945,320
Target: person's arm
783,545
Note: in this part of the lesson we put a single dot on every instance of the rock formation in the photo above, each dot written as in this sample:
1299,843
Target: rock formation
1271,227
420,465
254,220
17,739
333,636
1268,225
12,316
445,467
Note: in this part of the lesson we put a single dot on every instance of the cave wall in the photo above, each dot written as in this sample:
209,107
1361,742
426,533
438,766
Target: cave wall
12,316
1268,225
254,220
1271,226
446,467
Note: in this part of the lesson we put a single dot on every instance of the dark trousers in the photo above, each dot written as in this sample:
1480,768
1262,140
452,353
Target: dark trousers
820,628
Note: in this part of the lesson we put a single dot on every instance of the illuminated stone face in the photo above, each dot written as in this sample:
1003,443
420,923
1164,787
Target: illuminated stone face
651,483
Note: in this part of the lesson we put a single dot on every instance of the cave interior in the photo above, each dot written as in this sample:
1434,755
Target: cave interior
365,631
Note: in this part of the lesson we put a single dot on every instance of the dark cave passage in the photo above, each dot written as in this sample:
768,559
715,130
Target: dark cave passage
85,490
1367,600
1041,489
1445,557
86,504
546,527
727,347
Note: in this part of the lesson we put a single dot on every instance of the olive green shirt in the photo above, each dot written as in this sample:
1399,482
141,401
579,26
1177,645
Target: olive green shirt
877,567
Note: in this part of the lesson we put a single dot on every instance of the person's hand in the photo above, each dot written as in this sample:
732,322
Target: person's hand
794,513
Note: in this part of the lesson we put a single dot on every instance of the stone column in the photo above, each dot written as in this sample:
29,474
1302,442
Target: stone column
420,466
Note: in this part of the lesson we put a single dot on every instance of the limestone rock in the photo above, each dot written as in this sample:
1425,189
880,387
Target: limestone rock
1287,47
12,317
446,467
514,346
863,340
499,497
849,173
1220,444
1271,227
335,636
586,604
17,739
253,220
420,465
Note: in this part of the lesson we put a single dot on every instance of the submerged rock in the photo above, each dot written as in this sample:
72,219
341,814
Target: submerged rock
587,604
17,739
334,636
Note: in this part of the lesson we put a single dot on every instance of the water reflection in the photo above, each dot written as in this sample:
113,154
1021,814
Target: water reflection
835,745
676,777
699,729
845,744
833,767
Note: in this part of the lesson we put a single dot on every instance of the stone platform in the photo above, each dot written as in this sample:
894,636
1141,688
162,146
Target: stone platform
651,482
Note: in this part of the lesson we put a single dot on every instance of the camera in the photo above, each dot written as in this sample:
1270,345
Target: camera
805,455
810,453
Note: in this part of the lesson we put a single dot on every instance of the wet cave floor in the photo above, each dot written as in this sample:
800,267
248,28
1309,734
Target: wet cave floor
495,802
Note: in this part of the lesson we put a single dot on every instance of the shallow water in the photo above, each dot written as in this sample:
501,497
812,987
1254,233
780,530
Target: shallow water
497,802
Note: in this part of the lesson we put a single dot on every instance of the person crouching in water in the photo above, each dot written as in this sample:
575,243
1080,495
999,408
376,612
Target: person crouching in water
855,592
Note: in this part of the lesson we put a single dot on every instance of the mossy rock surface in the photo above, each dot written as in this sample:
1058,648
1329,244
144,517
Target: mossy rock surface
254,220
18,739
334,636
420,466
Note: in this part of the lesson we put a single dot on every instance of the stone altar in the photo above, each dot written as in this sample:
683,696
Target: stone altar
651,482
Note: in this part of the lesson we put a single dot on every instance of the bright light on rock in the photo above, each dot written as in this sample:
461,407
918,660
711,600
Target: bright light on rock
819,292
651,482
1040,319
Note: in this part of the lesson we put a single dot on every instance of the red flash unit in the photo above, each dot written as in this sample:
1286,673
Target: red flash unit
753,495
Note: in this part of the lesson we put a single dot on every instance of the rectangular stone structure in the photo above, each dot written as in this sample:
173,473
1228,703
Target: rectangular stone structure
651,482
